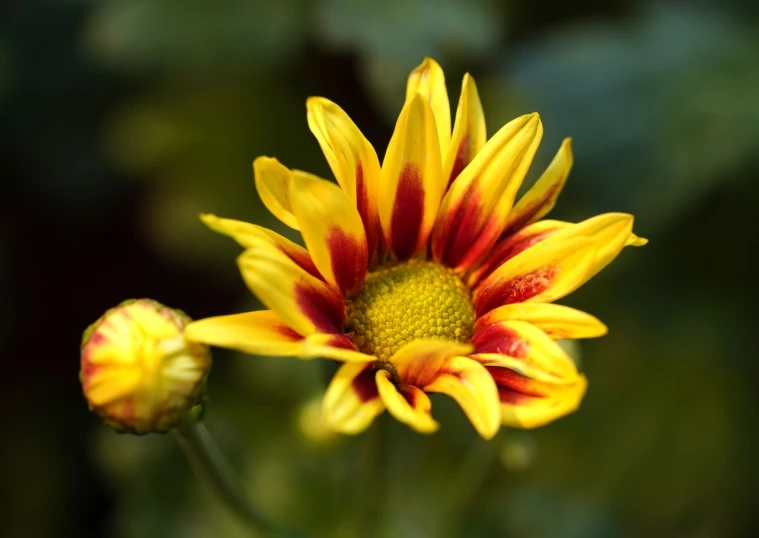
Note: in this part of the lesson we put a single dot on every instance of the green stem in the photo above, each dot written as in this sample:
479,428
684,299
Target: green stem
474,471
374,490
209,462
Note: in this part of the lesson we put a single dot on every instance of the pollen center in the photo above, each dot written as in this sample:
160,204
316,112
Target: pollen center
409,301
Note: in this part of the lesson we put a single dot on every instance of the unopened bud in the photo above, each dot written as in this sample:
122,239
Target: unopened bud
138,372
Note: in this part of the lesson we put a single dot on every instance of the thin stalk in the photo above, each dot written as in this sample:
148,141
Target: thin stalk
474,471
208,462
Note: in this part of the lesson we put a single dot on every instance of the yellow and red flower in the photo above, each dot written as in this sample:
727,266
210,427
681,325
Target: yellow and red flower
422,275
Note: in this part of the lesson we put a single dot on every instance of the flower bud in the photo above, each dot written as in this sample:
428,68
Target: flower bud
138,372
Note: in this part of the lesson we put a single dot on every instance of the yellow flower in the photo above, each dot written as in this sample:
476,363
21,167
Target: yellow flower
422,275
138,372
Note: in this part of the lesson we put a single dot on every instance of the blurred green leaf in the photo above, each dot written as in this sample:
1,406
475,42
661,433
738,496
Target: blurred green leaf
188,36
661,107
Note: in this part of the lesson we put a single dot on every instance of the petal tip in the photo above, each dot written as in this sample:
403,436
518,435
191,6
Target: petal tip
636,241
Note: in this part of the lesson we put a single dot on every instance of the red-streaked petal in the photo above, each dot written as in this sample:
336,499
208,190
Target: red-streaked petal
272,183
258,333
522,340
475,208
332,230
305,303
511,245
609,233
544,273
528,403
248,235
470,384
541,198
428,81
353,161
352,399
419,361
557,321
469,132
410,181
406,403
331,346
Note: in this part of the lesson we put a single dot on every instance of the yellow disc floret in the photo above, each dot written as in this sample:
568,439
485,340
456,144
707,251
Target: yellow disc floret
409,301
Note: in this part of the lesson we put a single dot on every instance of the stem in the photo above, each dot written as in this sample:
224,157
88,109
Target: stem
472,477
374,491
208,462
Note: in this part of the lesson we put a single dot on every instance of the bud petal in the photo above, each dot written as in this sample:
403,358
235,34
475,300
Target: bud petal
138,372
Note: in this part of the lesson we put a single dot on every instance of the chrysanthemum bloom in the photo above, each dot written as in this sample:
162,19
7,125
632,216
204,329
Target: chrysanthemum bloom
138,372
422,275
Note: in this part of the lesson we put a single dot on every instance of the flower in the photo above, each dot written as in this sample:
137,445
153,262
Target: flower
138,372
422,275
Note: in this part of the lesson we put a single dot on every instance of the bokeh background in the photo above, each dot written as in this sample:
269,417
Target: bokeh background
121,120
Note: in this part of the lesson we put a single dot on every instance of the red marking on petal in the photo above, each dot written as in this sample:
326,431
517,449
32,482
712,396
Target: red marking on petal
497,338
507,396
96,338
511,381
409,393
88,371
349,259
408,212
462,228
461,160
362,199
340,341
363,204
303,260
447,371
517,290
364,385
288,333
507,249
483,243
530,211
326,311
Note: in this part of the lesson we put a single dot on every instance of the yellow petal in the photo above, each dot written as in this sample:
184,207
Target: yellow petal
477,204
513,244
557,321
248,235
410,181
265,333
331,346
522,340
272,182
470,384
107,385
527,403
610,233
352,400
469,132
352,158
408,404
258,333
419,361
305,303
428,80
546,272
541,197
635,241
332,230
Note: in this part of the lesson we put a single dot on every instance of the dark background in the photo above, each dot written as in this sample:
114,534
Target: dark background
121,120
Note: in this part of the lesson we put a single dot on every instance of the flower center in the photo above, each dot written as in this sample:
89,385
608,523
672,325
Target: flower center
409,301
